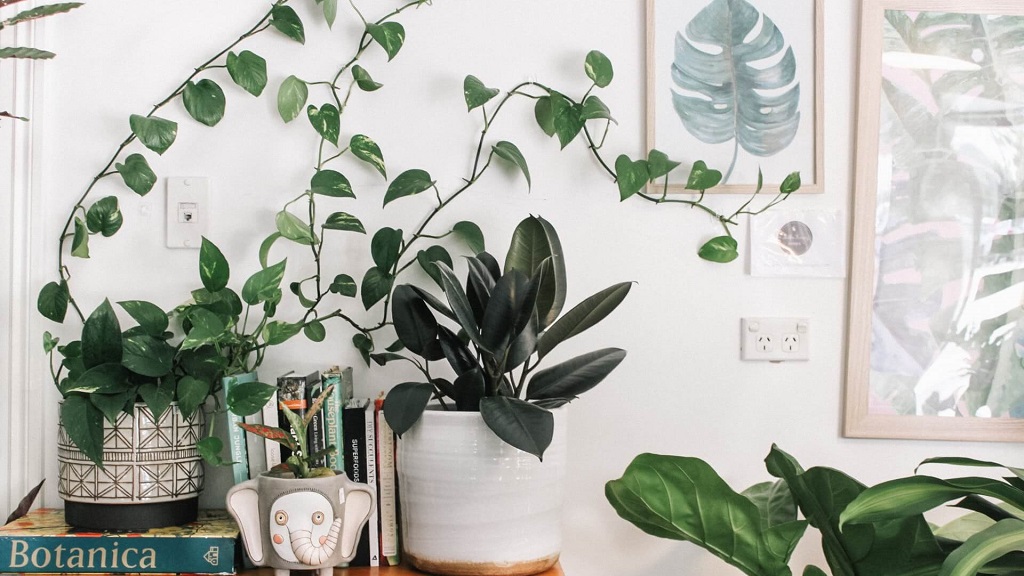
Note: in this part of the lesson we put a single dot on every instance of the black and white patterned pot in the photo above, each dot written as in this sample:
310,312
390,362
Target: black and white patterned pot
151,476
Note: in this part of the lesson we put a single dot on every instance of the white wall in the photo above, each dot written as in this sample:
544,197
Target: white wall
681,390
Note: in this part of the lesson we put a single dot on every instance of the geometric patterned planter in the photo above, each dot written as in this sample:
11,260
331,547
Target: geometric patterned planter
151,476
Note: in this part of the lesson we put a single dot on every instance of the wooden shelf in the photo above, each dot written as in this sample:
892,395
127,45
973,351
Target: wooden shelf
392,571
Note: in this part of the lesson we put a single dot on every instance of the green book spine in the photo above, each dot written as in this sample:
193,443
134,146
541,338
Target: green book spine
236,436
42,542
333,419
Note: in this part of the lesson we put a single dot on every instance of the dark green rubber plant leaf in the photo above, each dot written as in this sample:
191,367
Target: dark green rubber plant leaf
405,404
519,423
428,258
137,174
683,498
724,92
583,316
575,376
534,241
414,323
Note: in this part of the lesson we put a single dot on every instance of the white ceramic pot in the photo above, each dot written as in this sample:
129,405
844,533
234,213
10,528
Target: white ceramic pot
472,505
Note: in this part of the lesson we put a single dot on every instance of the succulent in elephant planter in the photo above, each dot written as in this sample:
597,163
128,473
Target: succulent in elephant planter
297,516
494,446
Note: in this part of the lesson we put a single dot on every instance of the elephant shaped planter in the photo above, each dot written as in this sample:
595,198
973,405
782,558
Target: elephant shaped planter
300,523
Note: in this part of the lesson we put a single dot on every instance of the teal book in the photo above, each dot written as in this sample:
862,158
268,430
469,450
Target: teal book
334,430
42,541
237,448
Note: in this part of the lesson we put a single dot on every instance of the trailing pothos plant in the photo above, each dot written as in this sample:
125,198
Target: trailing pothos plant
301,463
507,320
683,498
25,51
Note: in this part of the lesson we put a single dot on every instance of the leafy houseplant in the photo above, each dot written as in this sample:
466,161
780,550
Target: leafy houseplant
511,319
301,462
756,531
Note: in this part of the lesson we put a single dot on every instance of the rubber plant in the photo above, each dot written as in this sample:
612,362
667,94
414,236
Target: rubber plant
312,214
683,498
23,17
512,319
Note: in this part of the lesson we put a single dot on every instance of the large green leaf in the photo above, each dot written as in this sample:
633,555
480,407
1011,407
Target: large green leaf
470,233
520,424
148,356
599,68
405,403
204,101
192,392
459,302
53,301
277,332
390,36
685,499
583,316
157,134
364,148
137,174
918,494
263,285
150,317
214,270
575,376
285,19
385,246
534,241
476,93
84,424
508,151
414,324
375,286
774,501
567,118
294,228
427,259
104,217
725,90
326,120
510,306
101,337
408,183
248,398
291,97
157,397
990,544
248,70
721,249
631,175
331,183
109,378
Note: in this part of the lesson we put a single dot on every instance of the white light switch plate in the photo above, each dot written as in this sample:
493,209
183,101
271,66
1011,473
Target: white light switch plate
775,339
188,211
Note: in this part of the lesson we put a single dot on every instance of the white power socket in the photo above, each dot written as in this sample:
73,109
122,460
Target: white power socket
775,339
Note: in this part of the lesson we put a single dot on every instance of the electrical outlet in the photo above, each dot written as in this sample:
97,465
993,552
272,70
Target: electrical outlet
775,339
188,211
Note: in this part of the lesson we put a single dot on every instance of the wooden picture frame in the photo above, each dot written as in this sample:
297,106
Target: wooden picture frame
936,335
775,124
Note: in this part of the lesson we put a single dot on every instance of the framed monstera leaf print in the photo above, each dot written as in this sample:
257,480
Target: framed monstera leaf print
737,84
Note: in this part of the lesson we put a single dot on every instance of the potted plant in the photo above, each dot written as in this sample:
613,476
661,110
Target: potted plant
298,516
131,418
493,445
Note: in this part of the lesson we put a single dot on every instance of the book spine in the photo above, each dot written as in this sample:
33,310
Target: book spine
291,392
373,525
89,554
269,446
355,466
316,437
236,436
387,489
257,447
332,423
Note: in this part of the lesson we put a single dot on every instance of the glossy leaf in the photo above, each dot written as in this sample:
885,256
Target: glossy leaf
209,448
518,423
918,494
53,301
101,337
470,233
248,70
363,79
469,389
149,316
291,97
990,544
573,377
774,501
511,304
344,285
326,120
137,174
104,217
155,133
263,284
331,183
385,246
80,240
599,68
83,423
685,499
247,398
288,23
276,434
192,392
375,287
962,461
405,404
582,316
223,302
389,35
143,354
459,302
722,249
277,332
509,152
701,177
109,378
534,241
204,101
408,183
364,148
427,258
631,176
414,324
158,398
345,222
791,183
294,228
595,109
476,93
214,271
544,114
659,164
568,118
315,331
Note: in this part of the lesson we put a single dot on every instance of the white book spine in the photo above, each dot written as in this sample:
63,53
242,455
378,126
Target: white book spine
386,504
270,419
371,480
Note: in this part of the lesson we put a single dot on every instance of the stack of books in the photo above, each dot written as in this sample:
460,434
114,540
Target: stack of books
365,449
42,542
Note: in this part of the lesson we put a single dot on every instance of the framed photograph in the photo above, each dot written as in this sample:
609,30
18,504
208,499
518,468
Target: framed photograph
936,328
737,84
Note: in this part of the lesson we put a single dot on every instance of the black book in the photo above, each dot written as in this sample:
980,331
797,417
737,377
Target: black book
316,434
356,467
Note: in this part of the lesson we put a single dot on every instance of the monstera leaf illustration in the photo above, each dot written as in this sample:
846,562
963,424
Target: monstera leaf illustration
732,84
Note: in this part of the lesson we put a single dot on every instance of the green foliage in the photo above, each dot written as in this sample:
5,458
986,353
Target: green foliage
501,315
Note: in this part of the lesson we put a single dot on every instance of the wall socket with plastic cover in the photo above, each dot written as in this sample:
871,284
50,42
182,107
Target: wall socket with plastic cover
775,339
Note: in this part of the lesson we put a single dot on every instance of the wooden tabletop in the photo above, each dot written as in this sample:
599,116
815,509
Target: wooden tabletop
391,571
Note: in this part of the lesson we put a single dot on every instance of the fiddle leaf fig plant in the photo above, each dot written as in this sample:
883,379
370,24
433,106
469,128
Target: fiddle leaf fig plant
301,462
506,321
